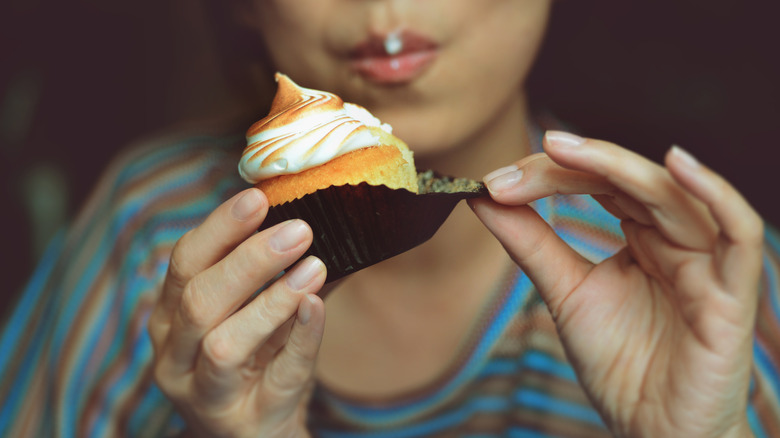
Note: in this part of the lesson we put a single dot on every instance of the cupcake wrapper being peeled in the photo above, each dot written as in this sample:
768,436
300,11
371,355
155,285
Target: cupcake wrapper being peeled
357,226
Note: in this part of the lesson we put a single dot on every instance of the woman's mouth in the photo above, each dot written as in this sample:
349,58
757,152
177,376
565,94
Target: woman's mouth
395,58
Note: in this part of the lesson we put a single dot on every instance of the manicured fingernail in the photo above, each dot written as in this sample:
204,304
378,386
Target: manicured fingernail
289,235
304,310
498,172
685,156
503,179
304,272
247,206
565,139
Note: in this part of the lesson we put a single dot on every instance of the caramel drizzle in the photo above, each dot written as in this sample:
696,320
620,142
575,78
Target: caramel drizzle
293,103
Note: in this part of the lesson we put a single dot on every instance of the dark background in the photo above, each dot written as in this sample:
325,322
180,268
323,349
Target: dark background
81,79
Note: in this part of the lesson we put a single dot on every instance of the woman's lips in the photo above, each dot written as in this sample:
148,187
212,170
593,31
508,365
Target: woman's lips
371,60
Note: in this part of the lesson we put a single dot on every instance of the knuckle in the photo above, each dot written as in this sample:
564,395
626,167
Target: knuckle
218,352
753,230
262,312
194,311
178,268
249,261
275,302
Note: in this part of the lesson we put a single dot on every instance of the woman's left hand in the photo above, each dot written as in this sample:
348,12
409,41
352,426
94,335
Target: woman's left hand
660,334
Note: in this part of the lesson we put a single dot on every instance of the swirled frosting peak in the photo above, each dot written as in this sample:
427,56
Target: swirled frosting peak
304,128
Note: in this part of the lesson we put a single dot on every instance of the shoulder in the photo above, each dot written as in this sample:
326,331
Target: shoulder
168,171
152,193
175,155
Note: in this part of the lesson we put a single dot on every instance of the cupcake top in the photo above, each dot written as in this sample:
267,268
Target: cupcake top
305,128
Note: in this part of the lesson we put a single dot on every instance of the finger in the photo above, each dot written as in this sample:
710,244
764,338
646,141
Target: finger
553,266
680,217
237,341
227,226
537,176
293,368
212,296
740,225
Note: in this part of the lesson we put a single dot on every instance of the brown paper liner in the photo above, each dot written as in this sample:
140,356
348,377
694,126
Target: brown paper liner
356,226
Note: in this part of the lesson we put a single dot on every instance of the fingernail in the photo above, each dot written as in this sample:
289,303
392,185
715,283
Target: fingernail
304,310
247,206
505,180
565,139
685,156
289,235
498,172
304,272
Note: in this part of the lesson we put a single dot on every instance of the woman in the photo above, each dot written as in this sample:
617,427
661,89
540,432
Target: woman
448,338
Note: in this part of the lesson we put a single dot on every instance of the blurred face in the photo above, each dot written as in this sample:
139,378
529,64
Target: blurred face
436,70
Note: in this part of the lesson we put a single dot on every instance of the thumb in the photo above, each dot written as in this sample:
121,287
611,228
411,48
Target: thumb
551,264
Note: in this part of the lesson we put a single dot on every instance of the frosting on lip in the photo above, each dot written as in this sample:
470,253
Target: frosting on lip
305,128
399,43
396,58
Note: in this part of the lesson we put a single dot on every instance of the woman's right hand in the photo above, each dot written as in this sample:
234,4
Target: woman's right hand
235,365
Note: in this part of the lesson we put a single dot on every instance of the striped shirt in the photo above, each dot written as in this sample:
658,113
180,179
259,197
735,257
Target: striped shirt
75,355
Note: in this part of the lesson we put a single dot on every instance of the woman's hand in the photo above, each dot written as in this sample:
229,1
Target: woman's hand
236,365
660,334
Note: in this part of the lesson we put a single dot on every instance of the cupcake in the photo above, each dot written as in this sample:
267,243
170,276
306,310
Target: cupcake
340,169
312,140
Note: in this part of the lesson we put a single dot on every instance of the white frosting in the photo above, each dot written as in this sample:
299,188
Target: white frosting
320,128
393,43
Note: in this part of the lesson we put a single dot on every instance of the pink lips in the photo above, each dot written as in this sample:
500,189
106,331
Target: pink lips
370,60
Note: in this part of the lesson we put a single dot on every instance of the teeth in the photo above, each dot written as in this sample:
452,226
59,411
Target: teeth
393,43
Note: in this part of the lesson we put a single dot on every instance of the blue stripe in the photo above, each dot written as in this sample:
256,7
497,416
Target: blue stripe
585,209
30,298
584,246
513,432
766,367
445,421
29,364
541,362
66,320
500,367
546,403
772,285
530,360
141,356
772,236
755,423
526,433
28,301
151,404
